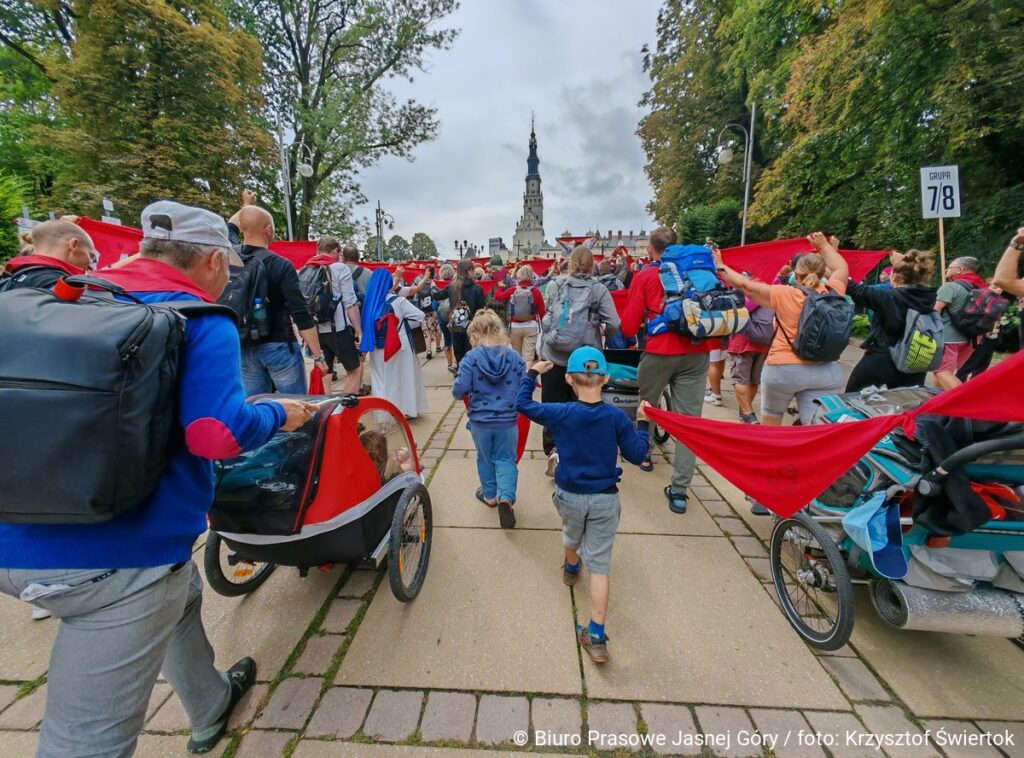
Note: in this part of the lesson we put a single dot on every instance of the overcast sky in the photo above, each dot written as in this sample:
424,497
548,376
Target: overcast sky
578,65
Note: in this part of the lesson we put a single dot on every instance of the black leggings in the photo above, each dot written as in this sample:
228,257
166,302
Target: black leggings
460,344
554,389
876,369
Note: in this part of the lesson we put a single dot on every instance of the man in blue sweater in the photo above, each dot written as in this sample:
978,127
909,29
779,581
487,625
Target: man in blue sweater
589,435
126,591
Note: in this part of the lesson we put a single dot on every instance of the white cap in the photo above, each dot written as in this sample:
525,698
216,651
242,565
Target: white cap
168,220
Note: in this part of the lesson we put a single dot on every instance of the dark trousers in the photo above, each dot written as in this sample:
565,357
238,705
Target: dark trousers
460,344
554,389
876,369
979,361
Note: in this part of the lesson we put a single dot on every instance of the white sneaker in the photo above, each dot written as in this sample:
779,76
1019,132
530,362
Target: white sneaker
38,614
552,464
713,399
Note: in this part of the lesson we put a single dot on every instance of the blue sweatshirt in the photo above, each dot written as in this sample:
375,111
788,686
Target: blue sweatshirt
218,423
490,375
588,436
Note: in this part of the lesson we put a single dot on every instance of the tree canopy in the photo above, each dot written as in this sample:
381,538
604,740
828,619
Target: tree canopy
422,246
853,98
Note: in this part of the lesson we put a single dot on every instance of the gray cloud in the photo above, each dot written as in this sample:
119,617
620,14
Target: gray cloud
577,65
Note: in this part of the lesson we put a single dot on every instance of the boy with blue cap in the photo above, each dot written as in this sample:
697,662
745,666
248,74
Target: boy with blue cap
589,435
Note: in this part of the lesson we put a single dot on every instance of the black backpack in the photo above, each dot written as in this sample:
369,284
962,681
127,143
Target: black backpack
91,387
315,283
247,283
31,276
980,313
823,332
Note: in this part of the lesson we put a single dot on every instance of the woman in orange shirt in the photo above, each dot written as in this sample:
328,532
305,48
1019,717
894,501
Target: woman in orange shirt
785,375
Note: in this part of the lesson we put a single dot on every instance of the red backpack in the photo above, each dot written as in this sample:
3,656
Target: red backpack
980,314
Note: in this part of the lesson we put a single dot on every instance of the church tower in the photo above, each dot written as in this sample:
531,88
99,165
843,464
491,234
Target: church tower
529,236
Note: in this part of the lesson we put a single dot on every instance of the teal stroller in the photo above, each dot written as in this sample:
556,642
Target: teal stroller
934,526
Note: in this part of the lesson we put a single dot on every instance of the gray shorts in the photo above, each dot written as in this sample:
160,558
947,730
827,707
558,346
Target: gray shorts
589,523
780,383
747,367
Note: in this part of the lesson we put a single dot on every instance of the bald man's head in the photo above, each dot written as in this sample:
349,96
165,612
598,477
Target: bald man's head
256,226
65,241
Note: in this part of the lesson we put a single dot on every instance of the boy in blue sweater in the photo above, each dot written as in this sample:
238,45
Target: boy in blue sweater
489,375
589,435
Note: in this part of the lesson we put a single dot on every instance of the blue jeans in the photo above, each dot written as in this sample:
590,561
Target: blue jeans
496,460
273,367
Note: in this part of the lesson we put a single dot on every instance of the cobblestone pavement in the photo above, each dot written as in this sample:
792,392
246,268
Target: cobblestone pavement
484,661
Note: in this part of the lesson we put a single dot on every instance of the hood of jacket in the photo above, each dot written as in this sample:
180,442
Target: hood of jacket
917,298
493,362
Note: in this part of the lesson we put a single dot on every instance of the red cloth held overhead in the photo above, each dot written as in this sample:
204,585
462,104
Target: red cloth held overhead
786,467
764,259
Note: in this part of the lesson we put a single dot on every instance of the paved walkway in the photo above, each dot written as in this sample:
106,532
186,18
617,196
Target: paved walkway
486,654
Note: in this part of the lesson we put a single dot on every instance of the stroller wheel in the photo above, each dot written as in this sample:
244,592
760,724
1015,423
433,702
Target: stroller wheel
227,573
409,542
812,582
660,435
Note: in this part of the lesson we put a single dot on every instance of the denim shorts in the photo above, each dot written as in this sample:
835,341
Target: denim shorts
589,523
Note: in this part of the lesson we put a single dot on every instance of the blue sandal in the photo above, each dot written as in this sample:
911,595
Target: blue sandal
676,500
647,465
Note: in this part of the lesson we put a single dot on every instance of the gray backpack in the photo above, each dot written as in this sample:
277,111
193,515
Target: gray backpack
571,321
922,344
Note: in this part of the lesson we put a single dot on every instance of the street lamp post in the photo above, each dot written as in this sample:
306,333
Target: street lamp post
382,216
726,155
305,170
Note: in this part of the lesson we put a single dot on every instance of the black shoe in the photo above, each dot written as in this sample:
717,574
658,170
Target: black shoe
242,677
506,516
759,510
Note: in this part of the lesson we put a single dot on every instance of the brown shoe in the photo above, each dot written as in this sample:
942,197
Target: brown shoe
598,651
569,578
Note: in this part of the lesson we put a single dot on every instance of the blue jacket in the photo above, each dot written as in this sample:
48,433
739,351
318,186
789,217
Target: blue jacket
588,436
490,376
218,423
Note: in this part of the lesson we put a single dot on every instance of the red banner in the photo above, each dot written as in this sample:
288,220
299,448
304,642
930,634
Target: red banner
764,259
786,467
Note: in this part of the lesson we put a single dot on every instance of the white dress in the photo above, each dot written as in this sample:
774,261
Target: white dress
399,379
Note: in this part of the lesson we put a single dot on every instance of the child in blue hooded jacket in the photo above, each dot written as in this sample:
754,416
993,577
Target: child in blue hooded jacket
489,375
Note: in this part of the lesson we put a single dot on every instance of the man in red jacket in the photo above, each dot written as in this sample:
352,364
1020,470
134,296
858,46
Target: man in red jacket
670,360
58,248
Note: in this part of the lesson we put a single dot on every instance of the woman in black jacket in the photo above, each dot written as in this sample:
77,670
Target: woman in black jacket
911,289
463,290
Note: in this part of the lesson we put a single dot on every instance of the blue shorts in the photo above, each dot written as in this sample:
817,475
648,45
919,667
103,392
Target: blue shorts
589,524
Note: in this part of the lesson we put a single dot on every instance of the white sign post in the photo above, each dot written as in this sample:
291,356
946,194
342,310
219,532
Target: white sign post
940,198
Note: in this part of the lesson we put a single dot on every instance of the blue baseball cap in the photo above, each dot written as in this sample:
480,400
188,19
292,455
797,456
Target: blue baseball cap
581,359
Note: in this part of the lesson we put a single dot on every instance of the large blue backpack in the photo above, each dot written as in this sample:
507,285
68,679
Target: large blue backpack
696,302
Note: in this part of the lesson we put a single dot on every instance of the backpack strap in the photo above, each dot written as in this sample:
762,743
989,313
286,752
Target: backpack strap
196,308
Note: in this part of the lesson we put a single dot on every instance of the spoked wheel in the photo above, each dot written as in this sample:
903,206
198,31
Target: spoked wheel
812,581
229,574
409,542
660,435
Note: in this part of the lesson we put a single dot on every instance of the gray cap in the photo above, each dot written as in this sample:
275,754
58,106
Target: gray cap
168,220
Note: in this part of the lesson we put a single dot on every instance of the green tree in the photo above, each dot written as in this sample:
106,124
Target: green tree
327,64
399,248
159,99
720,221
373,244
14,194
423,247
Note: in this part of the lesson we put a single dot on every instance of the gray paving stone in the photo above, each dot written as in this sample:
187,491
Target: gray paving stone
726,723
890,720
783,727
669,722
955,740
263,744
25,713
318,654
448,716
340,713
855,679
358,584
291,704
718,508
340,615
613,723
499,717
394,715
248,705
761,567
750,547
556,716
161,691
170,717
732,526
704,491
1016,729
8,692
831,727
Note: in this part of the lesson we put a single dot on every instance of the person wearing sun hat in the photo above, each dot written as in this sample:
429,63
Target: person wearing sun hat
589,435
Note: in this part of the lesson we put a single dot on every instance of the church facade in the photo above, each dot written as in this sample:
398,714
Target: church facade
529,236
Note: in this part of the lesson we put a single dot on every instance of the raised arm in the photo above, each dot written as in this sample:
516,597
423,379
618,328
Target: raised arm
759,292
1007,270
833,260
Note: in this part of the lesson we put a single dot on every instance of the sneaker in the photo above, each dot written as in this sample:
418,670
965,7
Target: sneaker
569,578
552,464
453,369
506,516
596,649
712,399
748,418
242,676
429,355
759,510
485,501
38,614
676,500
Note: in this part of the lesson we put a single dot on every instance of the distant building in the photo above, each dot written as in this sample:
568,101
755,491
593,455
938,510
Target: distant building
529,236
